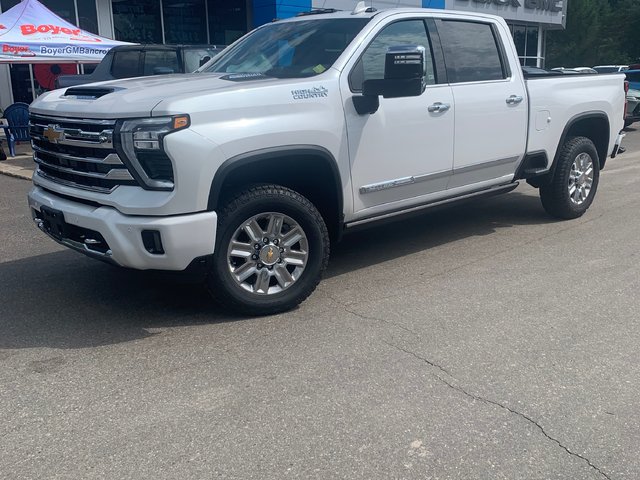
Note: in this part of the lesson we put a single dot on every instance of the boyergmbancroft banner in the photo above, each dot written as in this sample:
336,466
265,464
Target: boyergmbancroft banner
31,33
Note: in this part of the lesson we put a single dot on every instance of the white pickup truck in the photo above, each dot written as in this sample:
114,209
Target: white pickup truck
306,127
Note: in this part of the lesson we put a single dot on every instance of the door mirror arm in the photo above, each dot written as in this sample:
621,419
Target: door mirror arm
366,104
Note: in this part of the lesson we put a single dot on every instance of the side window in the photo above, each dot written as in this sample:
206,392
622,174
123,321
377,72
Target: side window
160,58
470,51
125,64
371,63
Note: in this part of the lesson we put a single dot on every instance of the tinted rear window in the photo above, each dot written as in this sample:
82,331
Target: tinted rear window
606,69
471,51
125,64
165,59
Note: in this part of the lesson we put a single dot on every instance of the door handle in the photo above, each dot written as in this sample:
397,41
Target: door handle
514,100
439,107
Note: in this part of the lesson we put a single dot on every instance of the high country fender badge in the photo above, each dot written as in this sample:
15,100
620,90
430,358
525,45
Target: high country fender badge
315,92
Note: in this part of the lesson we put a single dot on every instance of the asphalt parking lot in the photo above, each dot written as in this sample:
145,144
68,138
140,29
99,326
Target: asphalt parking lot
486,341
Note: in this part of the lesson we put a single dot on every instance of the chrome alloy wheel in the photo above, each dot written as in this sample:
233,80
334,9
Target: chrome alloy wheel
581,178
268,253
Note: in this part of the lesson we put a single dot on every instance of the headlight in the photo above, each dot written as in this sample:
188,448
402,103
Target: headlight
140,145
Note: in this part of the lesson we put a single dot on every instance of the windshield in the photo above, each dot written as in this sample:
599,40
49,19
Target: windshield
290,49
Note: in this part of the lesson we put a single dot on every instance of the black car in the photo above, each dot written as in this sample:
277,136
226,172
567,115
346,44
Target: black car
129,61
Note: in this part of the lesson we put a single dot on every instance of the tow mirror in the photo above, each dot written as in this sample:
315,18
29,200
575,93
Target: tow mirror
404,76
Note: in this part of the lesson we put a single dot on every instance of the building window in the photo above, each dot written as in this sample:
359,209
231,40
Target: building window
219,22
184,21
138,21
7,4
526,39
227,20
87,16
63,8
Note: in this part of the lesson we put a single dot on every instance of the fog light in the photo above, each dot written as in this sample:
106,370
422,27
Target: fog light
152,242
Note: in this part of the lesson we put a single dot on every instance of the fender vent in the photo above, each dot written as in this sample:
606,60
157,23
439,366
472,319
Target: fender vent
88,93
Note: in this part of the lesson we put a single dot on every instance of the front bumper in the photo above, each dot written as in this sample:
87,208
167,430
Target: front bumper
184,237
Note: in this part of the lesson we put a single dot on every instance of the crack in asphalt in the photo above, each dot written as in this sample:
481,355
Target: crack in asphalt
346,308
425,360
527,418
498,404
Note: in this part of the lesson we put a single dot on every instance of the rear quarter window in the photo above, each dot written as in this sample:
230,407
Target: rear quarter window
471,51
166,59
126,64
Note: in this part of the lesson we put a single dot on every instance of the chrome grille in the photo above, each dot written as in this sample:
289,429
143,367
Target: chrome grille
78,153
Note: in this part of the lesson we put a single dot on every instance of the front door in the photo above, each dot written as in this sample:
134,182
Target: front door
404,151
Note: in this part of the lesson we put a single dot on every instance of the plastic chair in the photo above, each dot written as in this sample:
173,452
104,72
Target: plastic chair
17,116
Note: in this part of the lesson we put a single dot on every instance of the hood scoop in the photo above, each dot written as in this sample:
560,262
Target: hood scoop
88,93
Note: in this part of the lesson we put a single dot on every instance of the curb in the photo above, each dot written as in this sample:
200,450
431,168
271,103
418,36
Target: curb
16,172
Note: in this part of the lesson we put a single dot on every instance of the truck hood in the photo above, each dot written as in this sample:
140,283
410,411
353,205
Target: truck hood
136,97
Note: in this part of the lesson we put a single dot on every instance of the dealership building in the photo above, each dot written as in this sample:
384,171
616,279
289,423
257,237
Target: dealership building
223,21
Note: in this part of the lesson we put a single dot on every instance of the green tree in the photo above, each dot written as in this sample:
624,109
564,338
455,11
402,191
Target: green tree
579,44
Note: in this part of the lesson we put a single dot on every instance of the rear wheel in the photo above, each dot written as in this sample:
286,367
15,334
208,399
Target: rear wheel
575,181
273,246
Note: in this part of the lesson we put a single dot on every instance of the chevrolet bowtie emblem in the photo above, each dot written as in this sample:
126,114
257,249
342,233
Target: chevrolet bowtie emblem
270,254
53,133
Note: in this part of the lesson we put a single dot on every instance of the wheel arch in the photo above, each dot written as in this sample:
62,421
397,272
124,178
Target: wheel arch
593,125
308,169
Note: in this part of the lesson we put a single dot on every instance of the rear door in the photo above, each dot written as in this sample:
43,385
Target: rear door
490,101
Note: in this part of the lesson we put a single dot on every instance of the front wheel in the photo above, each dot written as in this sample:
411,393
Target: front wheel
272,248
573,187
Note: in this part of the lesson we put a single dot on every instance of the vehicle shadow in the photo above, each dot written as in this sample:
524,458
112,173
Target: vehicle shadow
63,300
431,228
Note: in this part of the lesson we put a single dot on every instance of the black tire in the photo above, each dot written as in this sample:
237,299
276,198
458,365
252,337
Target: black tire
256,201
555,196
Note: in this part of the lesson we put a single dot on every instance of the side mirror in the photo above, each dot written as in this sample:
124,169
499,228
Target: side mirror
163,71
404,76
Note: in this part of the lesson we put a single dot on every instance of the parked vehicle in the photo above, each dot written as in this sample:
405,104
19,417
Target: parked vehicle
633,76
584,70
535,71
128,61
633,107
304,129
610,68
574,70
